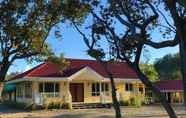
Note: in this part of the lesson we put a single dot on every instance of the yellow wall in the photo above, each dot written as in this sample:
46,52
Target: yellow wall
88,98
122,94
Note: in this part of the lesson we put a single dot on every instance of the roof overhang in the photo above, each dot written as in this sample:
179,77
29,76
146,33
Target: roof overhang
85,73
39,79
126,80
164,91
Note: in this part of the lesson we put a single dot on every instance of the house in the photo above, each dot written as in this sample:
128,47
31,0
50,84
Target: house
84,81
173,90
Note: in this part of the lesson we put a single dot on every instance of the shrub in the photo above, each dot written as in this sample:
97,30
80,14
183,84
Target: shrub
135,101
124,103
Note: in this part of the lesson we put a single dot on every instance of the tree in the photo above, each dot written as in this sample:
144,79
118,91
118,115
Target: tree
175,9
168,67
59,60
135,19
149,71
25,25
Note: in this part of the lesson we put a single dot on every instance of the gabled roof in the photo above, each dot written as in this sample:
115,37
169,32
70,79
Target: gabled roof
170,85
119,70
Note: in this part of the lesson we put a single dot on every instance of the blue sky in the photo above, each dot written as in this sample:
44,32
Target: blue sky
73,47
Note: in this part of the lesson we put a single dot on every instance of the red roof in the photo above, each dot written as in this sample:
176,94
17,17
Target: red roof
170,85
48,69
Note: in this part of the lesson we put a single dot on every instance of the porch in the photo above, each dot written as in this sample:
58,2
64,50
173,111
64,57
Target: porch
72,92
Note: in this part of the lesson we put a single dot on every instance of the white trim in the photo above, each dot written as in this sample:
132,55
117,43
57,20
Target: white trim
48,79
86,70
56,79
124,80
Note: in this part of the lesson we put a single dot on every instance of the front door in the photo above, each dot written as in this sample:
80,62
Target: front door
77,92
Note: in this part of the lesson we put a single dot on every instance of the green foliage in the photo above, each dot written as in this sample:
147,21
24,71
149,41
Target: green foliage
75,10
60,61
149,71
182,2
135,101
124,103
57,105
25,26
168,67
96,53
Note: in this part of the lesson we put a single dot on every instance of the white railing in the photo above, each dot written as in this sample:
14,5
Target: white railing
50,94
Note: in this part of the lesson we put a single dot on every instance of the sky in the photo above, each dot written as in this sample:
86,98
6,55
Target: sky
72,46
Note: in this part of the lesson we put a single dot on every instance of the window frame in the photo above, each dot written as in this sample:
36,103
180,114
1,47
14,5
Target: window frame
19,91
28,89
105,88
53,93
95,89
129,87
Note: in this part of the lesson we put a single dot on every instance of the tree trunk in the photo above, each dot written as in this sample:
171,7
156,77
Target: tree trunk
156,91
1,90
182,47
114,96
3,72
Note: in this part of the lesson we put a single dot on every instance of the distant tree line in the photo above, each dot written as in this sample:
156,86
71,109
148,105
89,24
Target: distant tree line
165,68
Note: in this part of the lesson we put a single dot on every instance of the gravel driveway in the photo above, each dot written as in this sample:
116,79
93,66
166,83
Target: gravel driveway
155,111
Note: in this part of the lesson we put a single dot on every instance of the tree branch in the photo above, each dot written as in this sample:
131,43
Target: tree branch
86,40
163,44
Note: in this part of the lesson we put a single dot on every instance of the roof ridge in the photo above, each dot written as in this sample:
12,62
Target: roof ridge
78,59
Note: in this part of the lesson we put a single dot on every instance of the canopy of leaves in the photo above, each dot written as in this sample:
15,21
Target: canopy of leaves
25,24
168,67
149,71
59,60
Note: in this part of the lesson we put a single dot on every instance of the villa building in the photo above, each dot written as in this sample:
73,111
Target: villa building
173,90
84,81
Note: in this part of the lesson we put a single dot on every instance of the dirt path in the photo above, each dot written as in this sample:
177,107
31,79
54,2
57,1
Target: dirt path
142,112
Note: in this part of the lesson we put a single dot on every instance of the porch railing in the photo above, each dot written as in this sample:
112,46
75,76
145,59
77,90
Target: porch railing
50,94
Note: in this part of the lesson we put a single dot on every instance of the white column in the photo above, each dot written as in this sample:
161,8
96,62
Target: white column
101,94
54,90
23,87
35,90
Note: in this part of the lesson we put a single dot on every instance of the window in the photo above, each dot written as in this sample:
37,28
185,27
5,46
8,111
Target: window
105,88
41,87
28,90
141,90
128,87
95,89
19,91
49,89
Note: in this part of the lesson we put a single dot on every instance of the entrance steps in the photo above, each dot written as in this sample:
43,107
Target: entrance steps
90,105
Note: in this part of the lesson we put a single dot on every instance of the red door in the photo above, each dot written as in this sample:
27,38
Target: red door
77,92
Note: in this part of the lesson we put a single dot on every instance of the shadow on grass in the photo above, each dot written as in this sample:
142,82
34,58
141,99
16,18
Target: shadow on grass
4,108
